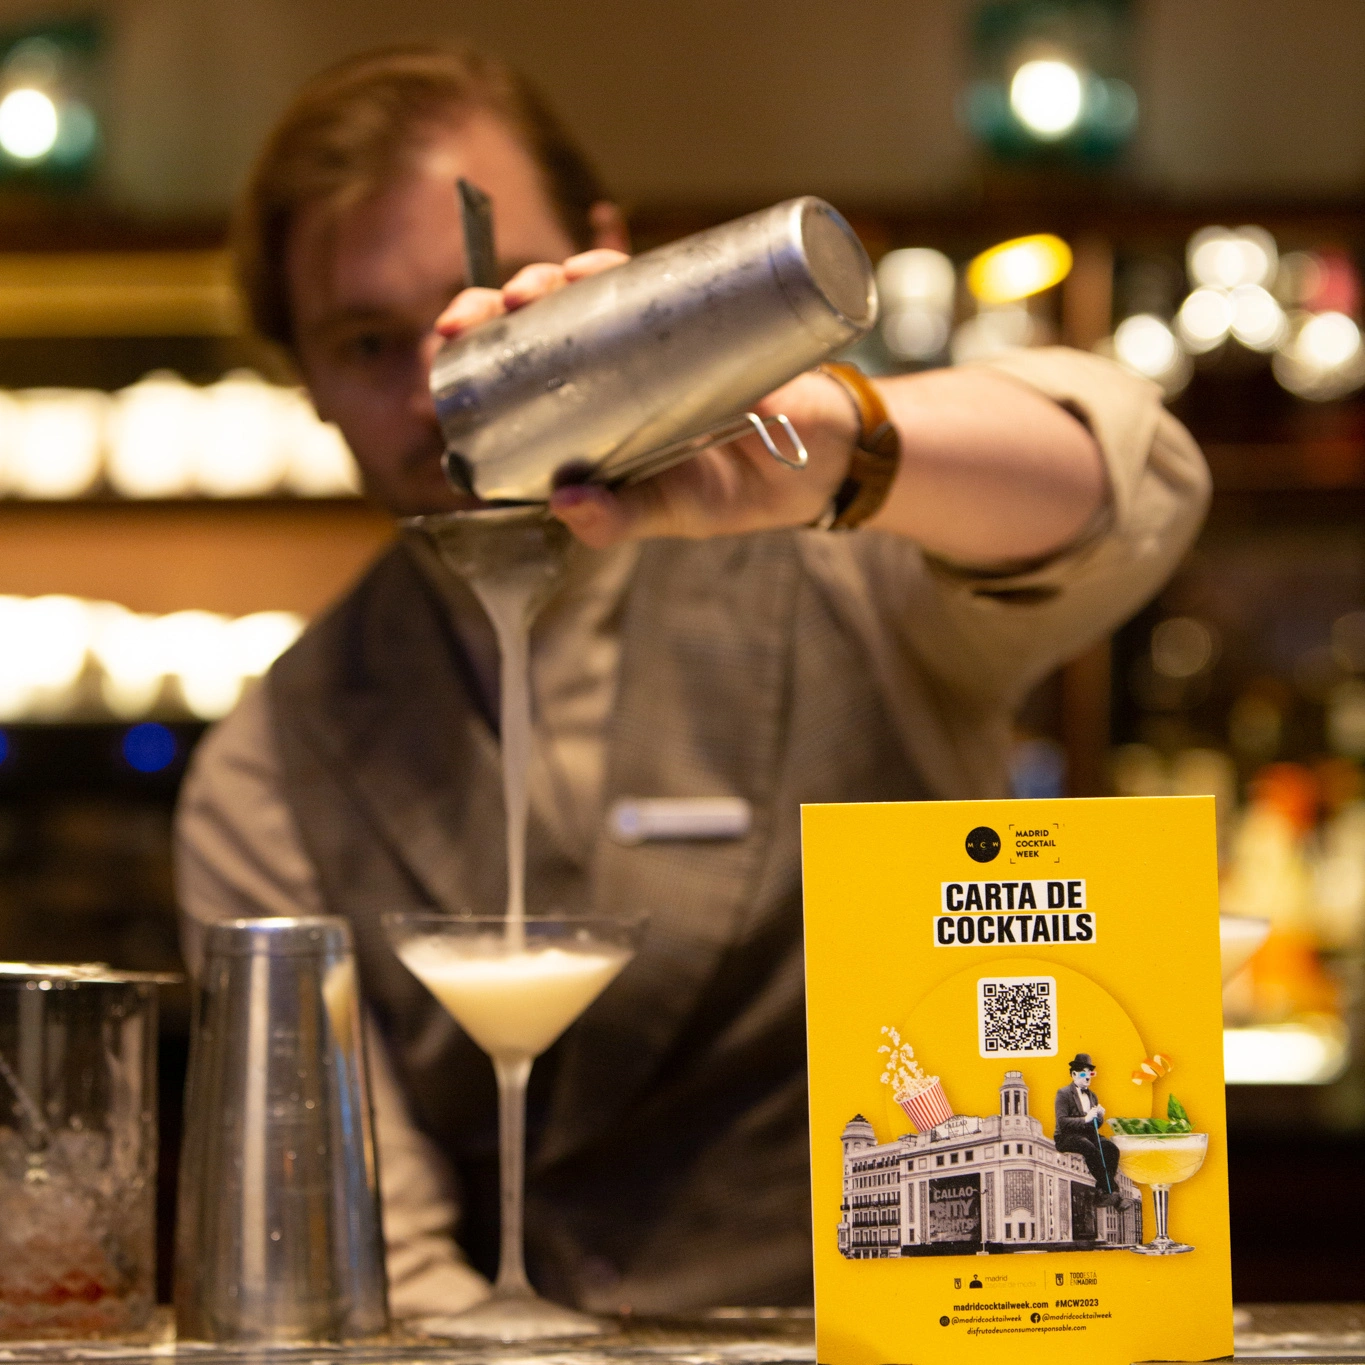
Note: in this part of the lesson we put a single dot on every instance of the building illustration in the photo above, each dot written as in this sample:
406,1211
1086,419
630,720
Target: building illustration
993,1184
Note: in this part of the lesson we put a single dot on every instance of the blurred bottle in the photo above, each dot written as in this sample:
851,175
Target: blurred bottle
1339,873
1272,873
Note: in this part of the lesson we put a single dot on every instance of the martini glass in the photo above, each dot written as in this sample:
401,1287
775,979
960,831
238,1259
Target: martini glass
1160,1160
514,985
1239,936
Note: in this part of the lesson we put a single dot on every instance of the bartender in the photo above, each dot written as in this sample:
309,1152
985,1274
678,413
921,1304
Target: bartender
861,630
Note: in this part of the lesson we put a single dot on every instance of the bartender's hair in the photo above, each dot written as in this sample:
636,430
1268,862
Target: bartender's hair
355,126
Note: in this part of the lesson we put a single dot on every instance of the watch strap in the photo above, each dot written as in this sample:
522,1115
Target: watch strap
876,452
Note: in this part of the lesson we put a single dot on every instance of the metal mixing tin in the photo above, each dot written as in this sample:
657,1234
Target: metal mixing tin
612,377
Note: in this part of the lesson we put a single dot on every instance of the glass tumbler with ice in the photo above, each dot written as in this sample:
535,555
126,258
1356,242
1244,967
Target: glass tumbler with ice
78,1150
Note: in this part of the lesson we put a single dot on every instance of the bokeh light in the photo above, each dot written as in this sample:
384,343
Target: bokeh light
918,275
1046,96
149,747
917,288
1241,287
126,647
54,638
43,647
1145,344
1328,340
1322,359
257,640
241,452
1283,1054
1205,320
916,334
1223,260
152,437
58,443
1018,269
28,124
65,656
166,438
196,653
1182,647
1258,322
993,331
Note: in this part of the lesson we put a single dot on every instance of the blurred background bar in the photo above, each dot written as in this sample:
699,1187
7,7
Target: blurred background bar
1177,186
118,294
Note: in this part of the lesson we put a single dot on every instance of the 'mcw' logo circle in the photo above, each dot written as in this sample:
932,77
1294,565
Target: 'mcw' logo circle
983,844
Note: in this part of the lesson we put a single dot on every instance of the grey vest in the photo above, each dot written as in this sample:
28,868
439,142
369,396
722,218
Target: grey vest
667,1135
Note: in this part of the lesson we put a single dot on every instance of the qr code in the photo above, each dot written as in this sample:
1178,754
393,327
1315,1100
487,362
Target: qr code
1017,1016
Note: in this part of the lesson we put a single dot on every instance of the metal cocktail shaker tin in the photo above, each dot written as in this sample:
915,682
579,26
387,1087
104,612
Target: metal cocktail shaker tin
609,378
278,1234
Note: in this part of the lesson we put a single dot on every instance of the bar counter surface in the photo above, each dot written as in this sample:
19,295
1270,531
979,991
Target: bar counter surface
1311,1334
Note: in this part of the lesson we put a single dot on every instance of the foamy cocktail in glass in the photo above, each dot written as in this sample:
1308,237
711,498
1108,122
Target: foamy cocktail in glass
514,985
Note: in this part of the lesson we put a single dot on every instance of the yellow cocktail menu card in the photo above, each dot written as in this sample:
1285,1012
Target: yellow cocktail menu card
1018,1145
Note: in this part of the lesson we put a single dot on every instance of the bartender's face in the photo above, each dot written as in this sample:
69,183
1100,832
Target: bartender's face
1081,1079
367,284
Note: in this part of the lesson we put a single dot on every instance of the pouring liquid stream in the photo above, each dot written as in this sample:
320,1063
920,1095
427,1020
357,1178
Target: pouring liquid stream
510,601
516,994
515,999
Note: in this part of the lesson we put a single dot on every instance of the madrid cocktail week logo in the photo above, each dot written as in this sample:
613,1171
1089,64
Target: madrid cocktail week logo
1034,910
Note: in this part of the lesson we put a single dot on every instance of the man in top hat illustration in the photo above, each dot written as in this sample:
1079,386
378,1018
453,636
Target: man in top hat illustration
1079,1115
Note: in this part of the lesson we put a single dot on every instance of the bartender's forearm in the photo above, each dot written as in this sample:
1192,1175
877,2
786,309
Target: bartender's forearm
991,473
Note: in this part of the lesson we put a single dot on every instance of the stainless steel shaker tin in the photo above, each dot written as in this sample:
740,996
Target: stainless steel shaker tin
596,379
278,1234
293,936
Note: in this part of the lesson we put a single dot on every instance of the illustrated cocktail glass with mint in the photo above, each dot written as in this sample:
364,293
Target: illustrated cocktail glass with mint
1160,1153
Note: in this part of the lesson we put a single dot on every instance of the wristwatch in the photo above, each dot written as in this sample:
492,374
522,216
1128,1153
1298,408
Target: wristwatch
876,453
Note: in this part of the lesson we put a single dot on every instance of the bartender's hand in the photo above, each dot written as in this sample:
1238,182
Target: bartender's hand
992,472
724,490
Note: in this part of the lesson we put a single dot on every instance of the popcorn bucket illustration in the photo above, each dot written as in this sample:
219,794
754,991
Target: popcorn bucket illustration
925,1103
